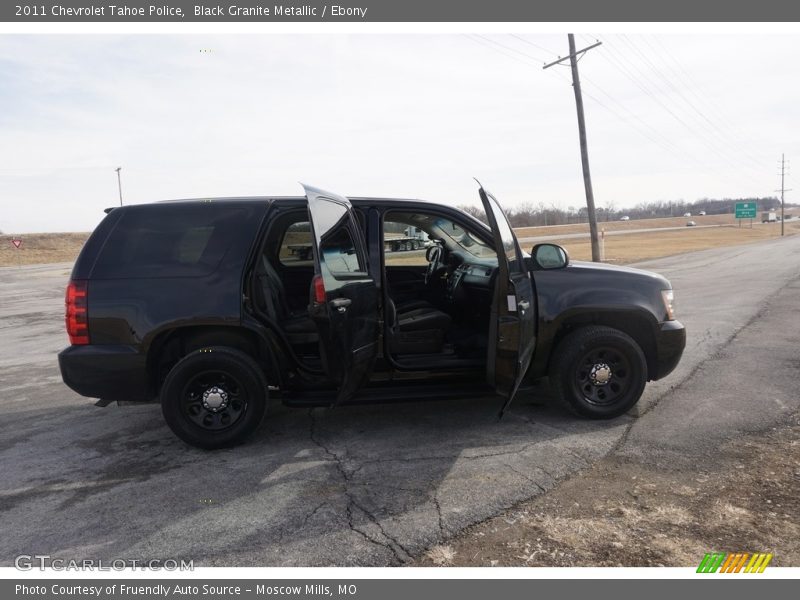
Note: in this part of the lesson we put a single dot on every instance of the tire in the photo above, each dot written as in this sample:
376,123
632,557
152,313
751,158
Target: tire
580,381
214,397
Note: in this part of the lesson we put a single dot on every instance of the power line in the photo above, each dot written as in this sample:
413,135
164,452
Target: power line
692,85
642,81
664,142
499,51
705,121
647,136
653,135
522,39
496,43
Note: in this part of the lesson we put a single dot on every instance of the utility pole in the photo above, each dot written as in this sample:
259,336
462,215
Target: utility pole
587,178
782,190
119,183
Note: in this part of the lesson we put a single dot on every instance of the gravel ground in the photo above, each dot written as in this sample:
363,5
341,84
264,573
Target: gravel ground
713,465
625,513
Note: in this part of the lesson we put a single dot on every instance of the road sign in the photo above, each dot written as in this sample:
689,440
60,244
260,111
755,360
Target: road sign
17,243
745,210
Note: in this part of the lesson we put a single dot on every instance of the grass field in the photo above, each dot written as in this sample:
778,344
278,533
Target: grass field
621,249
626,225
39,248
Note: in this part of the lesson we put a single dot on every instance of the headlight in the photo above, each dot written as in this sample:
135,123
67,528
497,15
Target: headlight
669,303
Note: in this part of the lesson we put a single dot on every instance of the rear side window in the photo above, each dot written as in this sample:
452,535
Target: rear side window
169,241
340,254
296,248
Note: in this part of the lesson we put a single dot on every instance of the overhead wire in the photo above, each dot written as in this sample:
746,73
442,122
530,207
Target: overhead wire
623,113
644,82
709,125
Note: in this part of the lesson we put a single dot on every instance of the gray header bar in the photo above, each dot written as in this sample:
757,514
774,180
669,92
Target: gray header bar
399,10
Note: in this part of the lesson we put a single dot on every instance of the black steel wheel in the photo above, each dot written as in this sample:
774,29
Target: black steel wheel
214,397
598,372
213,400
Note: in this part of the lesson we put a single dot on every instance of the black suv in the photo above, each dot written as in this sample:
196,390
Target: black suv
212,305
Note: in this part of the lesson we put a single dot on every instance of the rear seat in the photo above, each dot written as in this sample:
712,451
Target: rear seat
298,326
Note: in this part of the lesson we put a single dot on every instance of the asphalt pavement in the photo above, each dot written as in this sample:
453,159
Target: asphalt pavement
368,485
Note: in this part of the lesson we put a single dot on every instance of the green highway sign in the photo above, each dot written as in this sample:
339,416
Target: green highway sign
745,210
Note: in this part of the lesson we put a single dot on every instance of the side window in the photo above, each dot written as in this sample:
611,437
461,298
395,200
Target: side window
296,248
169,241
404,244
339,253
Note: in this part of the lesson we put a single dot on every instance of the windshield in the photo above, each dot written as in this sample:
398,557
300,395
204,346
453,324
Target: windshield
451,232
419,230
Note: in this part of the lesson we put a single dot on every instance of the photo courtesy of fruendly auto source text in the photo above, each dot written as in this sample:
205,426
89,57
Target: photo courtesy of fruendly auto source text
373,299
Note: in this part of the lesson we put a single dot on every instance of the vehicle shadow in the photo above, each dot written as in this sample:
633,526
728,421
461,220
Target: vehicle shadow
357,485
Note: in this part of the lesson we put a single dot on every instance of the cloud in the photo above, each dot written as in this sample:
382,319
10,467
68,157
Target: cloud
396,115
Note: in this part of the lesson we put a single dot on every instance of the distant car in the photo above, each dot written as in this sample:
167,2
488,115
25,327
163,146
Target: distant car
688,214
702,213
625,218
691,224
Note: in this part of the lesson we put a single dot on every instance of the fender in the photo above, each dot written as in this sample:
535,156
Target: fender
583,295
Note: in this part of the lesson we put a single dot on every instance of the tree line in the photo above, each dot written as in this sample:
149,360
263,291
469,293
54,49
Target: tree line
529,214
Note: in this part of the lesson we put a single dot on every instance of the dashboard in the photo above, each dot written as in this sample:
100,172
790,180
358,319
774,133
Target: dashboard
469,279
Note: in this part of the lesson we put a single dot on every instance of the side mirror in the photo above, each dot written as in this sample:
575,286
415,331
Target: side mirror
549,256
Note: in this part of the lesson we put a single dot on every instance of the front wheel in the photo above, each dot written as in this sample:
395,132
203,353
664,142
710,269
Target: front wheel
214,397
598,372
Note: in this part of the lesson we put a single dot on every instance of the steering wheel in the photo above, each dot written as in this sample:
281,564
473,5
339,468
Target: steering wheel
434,257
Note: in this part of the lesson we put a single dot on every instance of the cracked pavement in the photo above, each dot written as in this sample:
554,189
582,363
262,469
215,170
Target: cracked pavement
360,485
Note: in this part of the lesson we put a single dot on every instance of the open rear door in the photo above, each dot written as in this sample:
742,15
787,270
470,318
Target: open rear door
344,298
512,329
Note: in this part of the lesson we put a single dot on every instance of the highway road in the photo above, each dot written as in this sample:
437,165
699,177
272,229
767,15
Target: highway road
350,486
567,236
545,238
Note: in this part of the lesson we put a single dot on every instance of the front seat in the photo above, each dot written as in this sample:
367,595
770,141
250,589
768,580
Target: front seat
298,327
419,330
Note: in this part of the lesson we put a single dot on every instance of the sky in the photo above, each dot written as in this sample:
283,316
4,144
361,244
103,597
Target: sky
669,117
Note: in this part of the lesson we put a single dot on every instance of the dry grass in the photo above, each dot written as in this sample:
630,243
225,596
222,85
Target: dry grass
441,556
40,248
621,512
620,249
626,225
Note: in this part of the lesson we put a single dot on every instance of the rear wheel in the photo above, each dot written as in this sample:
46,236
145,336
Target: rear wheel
214,397
598,372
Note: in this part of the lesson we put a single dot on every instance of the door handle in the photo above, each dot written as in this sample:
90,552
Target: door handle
341,304
523,305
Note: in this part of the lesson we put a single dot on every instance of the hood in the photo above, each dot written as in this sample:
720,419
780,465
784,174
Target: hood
615,270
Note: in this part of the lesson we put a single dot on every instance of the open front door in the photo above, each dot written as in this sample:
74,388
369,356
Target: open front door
344,298
512,330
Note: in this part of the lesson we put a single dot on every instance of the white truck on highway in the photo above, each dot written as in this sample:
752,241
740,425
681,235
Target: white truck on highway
413,238
769,217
